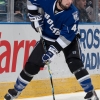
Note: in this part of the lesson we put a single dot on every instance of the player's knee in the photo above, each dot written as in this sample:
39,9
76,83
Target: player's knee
74,64
31,68
29,71
77,68
81,73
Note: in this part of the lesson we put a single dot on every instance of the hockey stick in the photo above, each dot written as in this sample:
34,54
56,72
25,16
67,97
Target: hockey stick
49,72
48,66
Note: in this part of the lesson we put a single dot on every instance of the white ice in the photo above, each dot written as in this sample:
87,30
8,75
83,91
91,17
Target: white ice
70,96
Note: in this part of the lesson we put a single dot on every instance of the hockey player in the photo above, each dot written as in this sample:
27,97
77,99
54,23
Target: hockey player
59,32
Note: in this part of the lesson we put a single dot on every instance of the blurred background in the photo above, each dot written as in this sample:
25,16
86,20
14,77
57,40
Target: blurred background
16,10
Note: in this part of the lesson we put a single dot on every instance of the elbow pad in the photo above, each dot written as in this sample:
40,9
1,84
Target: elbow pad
32,9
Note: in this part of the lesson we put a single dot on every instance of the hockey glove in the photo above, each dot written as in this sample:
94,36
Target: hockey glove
36,21
49,55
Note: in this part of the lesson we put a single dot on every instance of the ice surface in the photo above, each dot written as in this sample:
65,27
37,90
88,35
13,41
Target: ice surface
71,96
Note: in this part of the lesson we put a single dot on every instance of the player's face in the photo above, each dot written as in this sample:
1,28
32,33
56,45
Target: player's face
65,4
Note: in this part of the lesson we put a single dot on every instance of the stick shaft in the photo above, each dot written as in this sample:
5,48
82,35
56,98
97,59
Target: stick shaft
48,67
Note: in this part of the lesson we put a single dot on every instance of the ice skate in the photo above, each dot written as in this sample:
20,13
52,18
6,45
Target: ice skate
91,96
12,94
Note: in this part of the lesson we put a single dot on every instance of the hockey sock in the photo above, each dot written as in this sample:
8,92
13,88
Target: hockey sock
84,79
86,84
20,84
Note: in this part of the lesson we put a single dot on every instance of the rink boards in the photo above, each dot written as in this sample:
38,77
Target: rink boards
16,43
40,88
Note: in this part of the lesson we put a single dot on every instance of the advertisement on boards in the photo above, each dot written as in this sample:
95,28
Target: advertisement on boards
17,42
90,45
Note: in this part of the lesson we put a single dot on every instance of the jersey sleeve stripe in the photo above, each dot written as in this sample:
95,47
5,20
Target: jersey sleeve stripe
32,7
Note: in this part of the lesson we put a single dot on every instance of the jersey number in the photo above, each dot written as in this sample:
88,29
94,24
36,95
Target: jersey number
74,27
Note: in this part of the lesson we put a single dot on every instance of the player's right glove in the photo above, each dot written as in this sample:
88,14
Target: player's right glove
49,55
36,21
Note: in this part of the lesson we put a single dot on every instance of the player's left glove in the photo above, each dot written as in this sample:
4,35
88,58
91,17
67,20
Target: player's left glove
49,55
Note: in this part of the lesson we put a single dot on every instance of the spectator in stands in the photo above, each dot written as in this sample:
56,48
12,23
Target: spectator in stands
81,5
20,10
2,5
17,10
99,6
3,11
99,10
89,9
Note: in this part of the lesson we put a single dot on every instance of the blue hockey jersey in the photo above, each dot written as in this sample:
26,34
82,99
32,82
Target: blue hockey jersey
61,26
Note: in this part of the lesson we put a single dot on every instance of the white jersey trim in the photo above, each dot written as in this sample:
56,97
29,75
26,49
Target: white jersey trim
63,42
